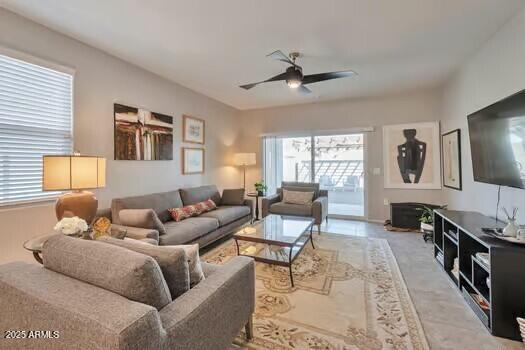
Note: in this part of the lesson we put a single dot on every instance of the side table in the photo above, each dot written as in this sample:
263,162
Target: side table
35,245
256,195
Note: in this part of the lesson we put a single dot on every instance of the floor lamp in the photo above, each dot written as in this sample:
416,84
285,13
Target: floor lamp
244,159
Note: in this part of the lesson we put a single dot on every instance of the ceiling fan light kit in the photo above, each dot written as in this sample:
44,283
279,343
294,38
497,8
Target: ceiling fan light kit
294,77
294,74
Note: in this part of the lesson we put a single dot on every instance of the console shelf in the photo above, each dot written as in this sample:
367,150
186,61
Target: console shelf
500,286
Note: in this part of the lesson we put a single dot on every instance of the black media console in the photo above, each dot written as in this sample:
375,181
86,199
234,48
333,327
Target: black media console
499,286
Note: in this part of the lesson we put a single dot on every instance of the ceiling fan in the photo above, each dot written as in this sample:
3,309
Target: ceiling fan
294,74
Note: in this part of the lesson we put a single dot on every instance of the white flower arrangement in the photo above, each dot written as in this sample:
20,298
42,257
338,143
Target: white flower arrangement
71,226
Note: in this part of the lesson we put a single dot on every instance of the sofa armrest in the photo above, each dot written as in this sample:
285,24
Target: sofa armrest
248,202
221,305
320,209
267,202
35,298
137,232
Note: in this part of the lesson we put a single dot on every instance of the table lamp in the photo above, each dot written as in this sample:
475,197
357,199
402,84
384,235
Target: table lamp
76,173
244,159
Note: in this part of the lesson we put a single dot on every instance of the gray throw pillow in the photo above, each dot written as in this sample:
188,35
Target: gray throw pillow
297,197
196,273
233,196
143,218
173,261
135,276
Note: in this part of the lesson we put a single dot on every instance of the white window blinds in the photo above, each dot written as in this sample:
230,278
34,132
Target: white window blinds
35,119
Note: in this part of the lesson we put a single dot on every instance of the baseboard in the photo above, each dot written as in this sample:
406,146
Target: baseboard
343,217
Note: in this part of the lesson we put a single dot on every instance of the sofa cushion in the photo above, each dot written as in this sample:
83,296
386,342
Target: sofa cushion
291,209
300,186
233,196
143,218
173,261
195,195
159,202
188,230
133,275
227,214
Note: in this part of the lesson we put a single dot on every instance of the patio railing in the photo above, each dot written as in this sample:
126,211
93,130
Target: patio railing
331,173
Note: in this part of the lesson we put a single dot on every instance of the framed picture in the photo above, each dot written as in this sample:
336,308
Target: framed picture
411,156
451,143
192,160
142,135
192,130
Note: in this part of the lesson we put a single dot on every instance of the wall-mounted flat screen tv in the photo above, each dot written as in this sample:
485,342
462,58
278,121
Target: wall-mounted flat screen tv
497,142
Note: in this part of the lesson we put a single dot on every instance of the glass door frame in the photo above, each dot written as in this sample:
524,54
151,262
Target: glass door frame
312,166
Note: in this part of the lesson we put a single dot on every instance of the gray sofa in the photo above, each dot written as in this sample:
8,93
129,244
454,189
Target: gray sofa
318,210
92,295
203,229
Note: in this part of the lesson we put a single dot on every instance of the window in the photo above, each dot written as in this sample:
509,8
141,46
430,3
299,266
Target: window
35,119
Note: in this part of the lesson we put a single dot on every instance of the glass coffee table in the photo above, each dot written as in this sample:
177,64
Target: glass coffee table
282,237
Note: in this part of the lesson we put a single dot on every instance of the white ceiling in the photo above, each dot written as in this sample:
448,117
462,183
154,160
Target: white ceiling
213,46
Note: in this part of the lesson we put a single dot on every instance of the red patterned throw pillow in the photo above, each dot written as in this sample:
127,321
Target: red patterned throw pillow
188,211
206,206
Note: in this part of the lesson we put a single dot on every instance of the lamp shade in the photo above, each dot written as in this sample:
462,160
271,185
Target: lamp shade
244,159
73,172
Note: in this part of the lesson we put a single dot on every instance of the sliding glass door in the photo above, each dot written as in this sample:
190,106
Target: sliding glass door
297,159
337,163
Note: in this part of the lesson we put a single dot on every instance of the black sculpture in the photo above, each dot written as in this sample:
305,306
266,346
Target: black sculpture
411,157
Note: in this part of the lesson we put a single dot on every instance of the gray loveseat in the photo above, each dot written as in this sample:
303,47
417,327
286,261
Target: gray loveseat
204,229
318,210
92,295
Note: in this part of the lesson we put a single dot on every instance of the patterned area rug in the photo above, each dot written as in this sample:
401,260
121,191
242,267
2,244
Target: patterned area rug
348,294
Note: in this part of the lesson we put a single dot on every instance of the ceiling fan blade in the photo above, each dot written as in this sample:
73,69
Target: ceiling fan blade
314,78
303,90
280,56
278,77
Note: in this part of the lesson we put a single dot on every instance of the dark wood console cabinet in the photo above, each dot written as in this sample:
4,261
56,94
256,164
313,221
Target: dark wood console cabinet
458,234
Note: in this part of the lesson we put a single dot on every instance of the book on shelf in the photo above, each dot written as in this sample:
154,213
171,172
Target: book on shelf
440,257
455,268
483,258
480,301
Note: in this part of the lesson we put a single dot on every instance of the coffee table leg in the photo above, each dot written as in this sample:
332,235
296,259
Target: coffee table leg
237,244
290,266
311,235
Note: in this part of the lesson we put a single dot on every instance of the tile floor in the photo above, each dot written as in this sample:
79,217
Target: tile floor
446,318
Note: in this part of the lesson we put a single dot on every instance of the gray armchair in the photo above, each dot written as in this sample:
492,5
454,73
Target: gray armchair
318,210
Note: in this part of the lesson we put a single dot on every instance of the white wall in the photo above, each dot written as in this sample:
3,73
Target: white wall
100,81
407,107
495,71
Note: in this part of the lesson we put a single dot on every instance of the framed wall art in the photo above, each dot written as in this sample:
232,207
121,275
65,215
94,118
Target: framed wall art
451,143
192,160
193,129
142,135
411,156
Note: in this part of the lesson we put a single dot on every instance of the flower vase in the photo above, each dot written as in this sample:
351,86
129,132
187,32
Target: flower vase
511,230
